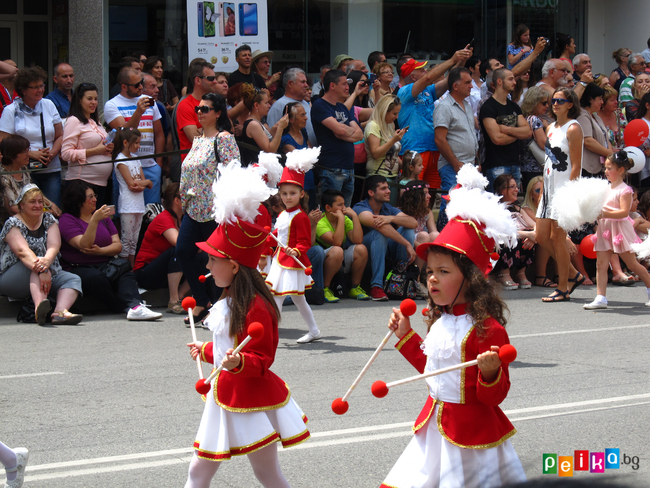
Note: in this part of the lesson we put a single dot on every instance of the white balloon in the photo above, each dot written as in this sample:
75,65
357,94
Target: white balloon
637,157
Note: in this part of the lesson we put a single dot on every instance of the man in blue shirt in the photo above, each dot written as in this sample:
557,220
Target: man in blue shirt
336,130
62,94
417,95
386,229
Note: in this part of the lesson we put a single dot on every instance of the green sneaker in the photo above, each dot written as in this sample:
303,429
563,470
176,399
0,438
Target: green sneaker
358,293
329,296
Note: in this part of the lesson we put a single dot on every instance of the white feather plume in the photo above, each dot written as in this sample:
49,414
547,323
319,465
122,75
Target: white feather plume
303,159
642,249
269,166
469,177
485,208
238,194
578,202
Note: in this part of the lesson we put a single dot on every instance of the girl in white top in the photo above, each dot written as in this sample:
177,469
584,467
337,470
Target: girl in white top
132,183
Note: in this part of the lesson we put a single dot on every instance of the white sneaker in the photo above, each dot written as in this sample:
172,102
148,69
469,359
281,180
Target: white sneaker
308,338
22,456
647,304
595,305
141,312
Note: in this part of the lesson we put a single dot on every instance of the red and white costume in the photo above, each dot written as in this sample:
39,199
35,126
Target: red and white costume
250,407
286,277
461,435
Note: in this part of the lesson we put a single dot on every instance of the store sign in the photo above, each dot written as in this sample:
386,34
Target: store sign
216,29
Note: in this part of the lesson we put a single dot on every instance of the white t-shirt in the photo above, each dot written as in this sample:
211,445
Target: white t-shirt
120,106
129,201
32,129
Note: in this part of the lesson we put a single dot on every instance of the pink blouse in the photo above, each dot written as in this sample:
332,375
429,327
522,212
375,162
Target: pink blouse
77,138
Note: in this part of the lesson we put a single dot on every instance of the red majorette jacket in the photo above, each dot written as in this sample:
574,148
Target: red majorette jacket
294,229
474,420
251,386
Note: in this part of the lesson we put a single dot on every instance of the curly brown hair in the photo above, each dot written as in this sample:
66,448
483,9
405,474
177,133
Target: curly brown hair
247,284
26,76
413,202
483,300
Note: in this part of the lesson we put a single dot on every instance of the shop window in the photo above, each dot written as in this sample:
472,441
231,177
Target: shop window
36,36
35,7
9,7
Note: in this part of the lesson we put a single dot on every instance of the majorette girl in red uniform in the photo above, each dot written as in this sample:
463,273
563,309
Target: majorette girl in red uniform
461,435
249,408
292,227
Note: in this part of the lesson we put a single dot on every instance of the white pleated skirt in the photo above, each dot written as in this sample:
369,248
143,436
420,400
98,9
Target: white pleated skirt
283,281
430,461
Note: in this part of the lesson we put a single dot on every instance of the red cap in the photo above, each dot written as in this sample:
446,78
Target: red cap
465,237
240,241
292,176
411,65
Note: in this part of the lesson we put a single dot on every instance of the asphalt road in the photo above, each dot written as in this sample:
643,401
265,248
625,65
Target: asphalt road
111,403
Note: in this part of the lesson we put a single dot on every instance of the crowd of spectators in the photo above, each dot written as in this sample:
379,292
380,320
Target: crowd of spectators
392,139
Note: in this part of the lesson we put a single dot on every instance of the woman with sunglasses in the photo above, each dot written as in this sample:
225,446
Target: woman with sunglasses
534,107
210,152
563,163
84,143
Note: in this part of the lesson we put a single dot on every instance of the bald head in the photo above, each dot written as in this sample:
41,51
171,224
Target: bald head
64,77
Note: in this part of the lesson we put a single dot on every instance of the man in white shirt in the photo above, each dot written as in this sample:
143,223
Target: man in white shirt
131,110
295,90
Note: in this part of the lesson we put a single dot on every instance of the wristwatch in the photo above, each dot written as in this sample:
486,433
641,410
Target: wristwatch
584,83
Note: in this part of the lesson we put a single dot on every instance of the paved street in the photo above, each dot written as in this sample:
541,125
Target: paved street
111,403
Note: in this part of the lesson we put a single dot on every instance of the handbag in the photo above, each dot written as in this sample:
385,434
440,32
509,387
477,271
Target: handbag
402,281
538,153
115,269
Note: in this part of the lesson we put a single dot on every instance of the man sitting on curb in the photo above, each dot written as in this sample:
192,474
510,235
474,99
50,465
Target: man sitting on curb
386,230
339,232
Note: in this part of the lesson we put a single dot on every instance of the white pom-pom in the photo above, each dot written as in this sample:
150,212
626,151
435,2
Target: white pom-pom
578,202
238,194
469,177
642,249
303,159
269,166
485,208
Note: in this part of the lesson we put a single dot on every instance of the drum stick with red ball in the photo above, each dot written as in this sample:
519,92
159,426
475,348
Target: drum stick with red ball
308,271
507,354
340,405
202,278
189,304
255,331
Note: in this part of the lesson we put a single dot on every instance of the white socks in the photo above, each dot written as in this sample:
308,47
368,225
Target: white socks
8,460
305,311
603,299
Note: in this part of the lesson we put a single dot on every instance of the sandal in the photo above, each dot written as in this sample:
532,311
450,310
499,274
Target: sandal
577,282
628,281
507,284
175,307
557,296
524,284
546,283
198,319
64,317
41,311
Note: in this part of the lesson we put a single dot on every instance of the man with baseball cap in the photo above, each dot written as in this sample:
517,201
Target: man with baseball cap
418,88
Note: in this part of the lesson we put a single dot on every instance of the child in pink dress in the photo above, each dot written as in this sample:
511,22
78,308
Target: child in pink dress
616,230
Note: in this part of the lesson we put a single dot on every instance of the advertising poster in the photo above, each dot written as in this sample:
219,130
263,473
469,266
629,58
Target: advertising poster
216,29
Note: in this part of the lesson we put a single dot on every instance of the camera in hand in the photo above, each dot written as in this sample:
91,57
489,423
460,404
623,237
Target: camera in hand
35,164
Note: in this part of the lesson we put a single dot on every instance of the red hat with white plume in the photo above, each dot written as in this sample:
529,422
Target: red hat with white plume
298,163
268,168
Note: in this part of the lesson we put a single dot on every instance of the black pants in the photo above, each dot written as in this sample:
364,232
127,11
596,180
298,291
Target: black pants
118,297
153,276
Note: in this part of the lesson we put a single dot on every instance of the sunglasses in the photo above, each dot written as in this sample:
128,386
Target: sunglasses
204,109
139,83
209,78
559,101
545,103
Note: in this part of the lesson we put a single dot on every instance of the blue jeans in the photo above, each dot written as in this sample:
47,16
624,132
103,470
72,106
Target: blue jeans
448,181
49,184
153,173
379,246
339,179
193,263
493,173
316,255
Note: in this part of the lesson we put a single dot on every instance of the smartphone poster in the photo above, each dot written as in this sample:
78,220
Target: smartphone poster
216,29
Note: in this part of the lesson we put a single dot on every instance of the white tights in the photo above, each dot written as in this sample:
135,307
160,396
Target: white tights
264,463
305,311
8,460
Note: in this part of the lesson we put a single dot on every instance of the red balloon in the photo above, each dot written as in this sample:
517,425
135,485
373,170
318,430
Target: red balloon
507,353
201,387
202,278
408,307
379,389
636,133
339,407
256,330
188,302
308,271
587,246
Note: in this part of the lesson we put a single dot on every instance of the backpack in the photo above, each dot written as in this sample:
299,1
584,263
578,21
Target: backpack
402,281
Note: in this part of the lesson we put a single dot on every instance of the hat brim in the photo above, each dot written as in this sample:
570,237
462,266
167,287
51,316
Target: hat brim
268,54
420,65
204,246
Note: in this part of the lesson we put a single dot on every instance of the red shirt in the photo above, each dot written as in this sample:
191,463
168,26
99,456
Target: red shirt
154,243
7,98
185,115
